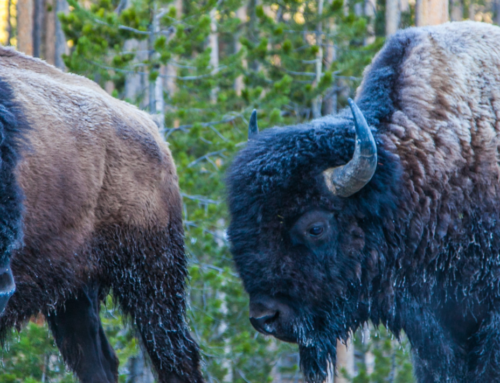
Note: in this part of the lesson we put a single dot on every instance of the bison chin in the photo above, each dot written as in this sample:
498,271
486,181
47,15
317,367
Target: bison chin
317,360
318,349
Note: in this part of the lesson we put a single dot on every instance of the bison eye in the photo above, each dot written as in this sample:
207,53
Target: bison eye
312,229
315,231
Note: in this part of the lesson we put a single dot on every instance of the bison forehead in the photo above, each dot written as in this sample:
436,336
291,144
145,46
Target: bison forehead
281,160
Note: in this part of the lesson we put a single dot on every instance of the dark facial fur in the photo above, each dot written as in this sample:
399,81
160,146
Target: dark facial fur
416,249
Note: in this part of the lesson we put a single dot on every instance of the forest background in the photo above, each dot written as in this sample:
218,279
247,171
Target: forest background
200,67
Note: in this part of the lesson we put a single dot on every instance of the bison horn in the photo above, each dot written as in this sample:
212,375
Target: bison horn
350,178
253,129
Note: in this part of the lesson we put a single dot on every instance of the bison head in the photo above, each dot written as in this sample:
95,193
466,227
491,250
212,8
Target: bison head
304,234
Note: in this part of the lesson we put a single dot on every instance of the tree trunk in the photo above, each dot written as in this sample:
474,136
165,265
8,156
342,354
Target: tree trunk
472,10
496,20
457,10
132,88
139,372
431,12
9,22
317,102
152,84
345,360
330,99
133,84
38,27
25,26
241,13
171,70
370,12
156,101
60,42
404,6
50,32
160,101
253,34
392,17
213,43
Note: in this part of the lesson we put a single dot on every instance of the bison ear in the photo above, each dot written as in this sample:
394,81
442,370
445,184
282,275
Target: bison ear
253,129
348,179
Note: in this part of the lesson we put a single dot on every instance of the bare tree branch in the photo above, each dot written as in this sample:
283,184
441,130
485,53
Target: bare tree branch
218,153
200,199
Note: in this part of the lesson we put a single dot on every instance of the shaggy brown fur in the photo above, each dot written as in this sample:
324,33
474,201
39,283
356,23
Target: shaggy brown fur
417,248
102,210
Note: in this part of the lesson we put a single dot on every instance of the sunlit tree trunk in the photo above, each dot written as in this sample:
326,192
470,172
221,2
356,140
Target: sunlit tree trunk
152,84
345,361
316,104
139,372
241,13
133,84
431,12
404,6
156,101
160,101
330,99
25,26
370,11
253,34
9,22
213,43
392,17
472,10
50,32
457,10
171,70
496,19
38,27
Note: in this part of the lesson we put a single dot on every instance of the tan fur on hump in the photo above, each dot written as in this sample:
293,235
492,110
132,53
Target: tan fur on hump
447,115
92,160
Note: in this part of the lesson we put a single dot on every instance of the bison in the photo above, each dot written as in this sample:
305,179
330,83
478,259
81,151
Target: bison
389,214
89,203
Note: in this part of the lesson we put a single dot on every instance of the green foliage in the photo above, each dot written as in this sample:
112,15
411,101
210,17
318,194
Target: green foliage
32,357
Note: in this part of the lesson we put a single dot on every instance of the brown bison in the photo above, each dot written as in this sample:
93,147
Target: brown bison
89,203
389,214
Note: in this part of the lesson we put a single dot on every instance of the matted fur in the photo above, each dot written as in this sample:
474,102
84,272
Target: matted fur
418,247
102,208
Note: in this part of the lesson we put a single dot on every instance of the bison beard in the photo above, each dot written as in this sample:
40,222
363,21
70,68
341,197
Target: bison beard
415,248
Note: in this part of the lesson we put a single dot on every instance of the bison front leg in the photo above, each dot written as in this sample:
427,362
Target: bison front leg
150,288
437,358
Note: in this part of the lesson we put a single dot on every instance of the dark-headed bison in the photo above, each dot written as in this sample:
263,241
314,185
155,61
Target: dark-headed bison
89,202
393,217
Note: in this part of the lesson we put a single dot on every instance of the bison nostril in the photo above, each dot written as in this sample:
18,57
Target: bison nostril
265,323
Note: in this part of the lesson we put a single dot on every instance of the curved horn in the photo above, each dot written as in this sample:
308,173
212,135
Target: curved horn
350,178
253,129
